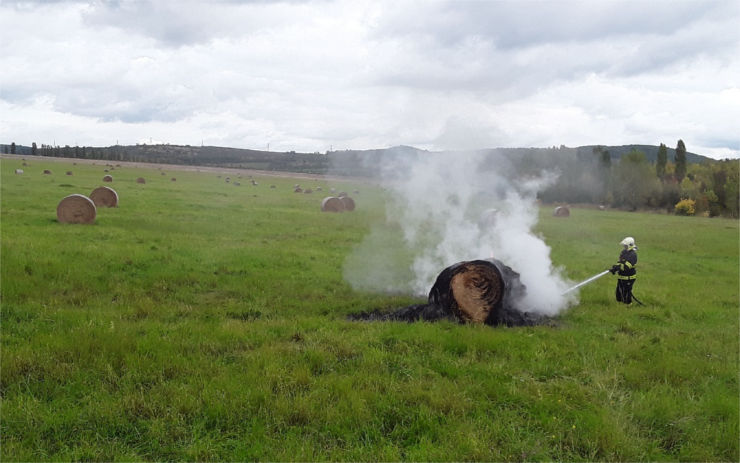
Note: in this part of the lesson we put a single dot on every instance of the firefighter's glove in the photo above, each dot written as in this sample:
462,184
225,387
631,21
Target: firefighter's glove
614,269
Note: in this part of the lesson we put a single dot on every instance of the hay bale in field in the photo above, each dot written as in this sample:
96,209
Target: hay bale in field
163,173
19,171
561,211
76,209
273,186
349,203
237,184
602,207
332,204
108,178
298,190
227,179
47,172
140,180
479,291
25,164
104,197
69,172
173,179
318,188
106,170
342,194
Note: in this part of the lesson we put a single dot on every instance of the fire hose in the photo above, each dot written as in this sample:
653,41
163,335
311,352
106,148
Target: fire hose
594,278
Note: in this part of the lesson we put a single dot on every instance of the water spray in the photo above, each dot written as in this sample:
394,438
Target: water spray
585,282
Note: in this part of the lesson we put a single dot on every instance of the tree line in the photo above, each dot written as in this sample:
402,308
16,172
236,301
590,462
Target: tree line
709,188
593,175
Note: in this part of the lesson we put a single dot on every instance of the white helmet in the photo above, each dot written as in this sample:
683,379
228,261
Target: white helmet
628,242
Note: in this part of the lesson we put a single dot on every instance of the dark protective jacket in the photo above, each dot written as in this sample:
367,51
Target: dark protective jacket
627,263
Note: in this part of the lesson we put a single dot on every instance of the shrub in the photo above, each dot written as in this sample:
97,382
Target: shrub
686,207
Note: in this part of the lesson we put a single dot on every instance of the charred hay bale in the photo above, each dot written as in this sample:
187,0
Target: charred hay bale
140,180
561,211
104,197
479,291
349,203
108,178
332,204
76,209
47,172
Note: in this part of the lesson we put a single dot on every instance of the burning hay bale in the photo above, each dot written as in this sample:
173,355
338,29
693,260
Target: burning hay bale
76,209
104,197
332,204
478,291
108,178
561,211
140,180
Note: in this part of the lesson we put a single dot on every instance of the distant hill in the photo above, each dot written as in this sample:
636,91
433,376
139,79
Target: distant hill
347,162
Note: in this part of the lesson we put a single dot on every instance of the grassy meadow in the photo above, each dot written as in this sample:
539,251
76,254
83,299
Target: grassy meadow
201,320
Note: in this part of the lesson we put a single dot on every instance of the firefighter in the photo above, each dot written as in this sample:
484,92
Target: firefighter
625,270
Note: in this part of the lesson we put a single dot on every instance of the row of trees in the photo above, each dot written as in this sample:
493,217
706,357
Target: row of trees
710,187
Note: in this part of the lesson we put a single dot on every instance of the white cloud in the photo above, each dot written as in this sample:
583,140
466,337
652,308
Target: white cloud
363,74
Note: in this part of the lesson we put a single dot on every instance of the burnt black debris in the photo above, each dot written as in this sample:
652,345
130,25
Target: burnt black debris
478,291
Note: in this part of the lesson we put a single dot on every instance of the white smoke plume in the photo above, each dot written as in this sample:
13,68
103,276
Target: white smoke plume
451,207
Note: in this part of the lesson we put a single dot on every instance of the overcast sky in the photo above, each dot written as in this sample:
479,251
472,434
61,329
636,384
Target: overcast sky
318,75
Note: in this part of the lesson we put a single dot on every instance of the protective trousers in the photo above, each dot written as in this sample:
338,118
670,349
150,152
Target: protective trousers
624,290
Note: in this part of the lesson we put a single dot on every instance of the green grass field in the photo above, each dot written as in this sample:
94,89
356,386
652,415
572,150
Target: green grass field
204,321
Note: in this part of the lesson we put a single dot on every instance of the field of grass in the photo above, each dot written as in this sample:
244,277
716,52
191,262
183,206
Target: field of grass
206,321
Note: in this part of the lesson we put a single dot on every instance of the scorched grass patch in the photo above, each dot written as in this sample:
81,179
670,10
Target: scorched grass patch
200,320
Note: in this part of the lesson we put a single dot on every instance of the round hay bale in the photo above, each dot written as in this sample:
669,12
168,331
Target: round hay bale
561,211
104,197
173,179
227,180
602,207
106,170
332,204
76,209
237,184
298,190
47,172
140,180
273,186
163,173
19,171
342,194
307,191
108,178
69,172
349,203
25,164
